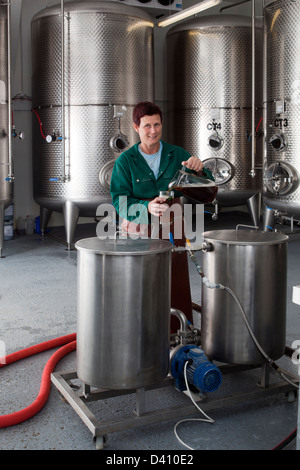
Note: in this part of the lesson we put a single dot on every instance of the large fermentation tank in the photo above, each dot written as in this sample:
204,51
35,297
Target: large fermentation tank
86,103
282,106
210,102
123,312
6,184
253,264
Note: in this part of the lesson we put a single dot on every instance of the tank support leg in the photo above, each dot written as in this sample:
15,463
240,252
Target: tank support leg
268,219
71,214
45,215
254,208
140,401
86,390
265,376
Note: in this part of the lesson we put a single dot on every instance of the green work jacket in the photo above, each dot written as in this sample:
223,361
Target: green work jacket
132,177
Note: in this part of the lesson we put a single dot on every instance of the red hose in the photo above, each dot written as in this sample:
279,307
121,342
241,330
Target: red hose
40,123
258,124
69,342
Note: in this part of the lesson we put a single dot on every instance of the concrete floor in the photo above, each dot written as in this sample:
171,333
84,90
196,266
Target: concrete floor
38,302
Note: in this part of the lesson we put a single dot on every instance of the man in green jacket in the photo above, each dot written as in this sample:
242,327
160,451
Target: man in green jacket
139,174
148,167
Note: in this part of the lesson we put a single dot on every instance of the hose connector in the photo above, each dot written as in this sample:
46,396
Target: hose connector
212,285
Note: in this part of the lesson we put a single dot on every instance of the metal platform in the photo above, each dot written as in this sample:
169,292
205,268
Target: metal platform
78,396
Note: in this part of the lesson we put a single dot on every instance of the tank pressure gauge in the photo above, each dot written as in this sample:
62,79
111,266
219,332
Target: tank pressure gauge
52,138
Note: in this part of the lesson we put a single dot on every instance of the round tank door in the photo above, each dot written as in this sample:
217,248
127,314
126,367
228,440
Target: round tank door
281,178
105,174
221,169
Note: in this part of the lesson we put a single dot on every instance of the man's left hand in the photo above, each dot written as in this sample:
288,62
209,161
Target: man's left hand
193,163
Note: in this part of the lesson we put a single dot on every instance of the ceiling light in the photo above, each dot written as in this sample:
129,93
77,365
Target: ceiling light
204,5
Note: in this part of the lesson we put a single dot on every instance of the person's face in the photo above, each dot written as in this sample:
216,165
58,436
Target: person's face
149,130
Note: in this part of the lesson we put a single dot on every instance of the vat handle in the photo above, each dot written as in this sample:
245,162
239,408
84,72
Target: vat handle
248,226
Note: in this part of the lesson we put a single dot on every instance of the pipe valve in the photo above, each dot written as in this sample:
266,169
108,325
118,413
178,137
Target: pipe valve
21,134
53,137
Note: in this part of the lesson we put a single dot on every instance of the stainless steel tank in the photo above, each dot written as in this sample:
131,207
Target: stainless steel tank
6,182
282,106
210,102
84,91
123,312
253,264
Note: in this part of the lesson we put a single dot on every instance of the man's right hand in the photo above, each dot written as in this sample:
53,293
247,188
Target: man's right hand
157,206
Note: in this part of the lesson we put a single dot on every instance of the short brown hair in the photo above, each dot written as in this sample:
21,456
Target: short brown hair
145,108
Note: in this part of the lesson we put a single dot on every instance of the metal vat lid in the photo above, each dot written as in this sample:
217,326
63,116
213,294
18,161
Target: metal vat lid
245,237
94,7
123,246
212,21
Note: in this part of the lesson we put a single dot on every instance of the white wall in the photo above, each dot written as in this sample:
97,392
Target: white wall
22,14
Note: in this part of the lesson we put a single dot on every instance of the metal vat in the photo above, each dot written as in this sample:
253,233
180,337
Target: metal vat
6,183
84,90
253,264
282,107
210,102
123,312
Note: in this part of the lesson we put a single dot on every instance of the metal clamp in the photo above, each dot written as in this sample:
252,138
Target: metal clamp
206,247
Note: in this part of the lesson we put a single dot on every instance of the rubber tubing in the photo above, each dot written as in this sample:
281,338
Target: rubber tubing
69,342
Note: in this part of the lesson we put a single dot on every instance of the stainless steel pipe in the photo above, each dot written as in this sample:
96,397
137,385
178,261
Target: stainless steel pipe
6,163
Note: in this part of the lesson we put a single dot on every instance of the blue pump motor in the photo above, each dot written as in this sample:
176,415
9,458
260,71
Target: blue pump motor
201,374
